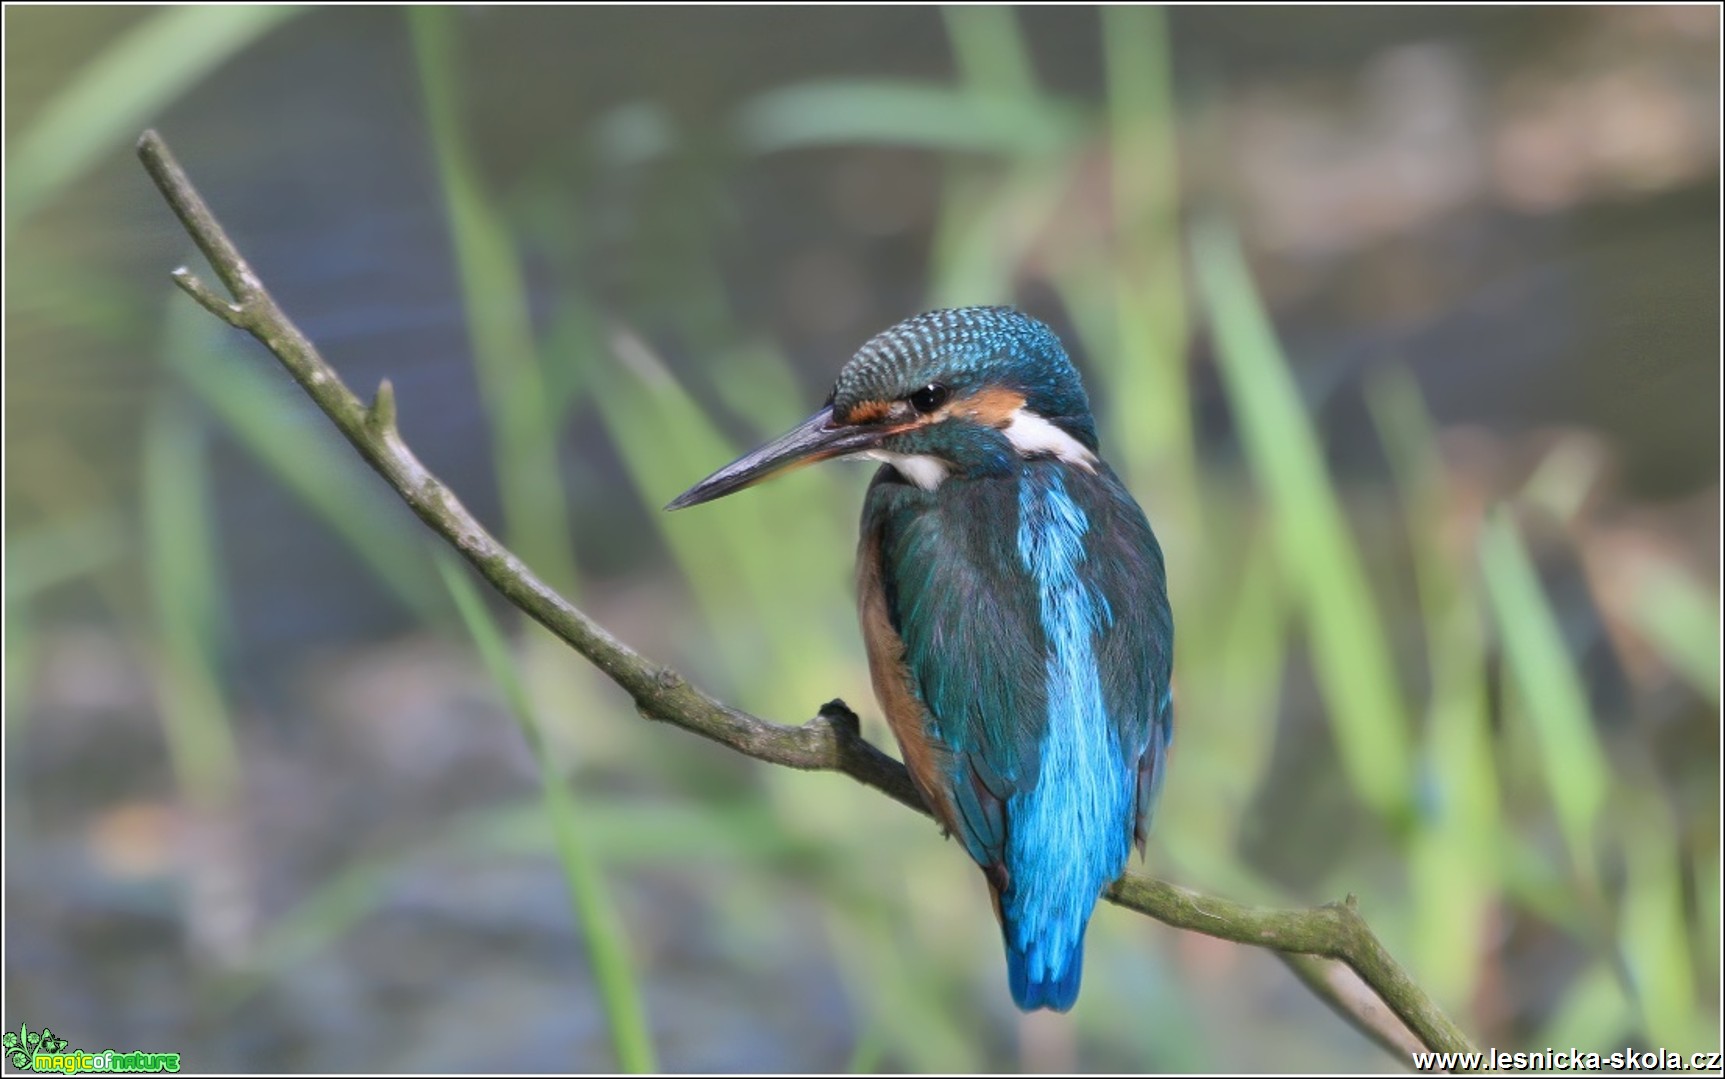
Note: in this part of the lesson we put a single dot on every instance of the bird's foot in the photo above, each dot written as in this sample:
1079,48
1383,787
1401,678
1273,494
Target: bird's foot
839,716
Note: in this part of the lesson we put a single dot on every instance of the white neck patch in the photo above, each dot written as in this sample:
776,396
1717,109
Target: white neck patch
919,468
1031,434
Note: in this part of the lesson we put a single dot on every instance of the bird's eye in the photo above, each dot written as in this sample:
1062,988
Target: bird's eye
929,398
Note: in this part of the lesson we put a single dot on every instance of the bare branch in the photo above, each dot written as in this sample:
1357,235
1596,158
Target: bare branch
832,740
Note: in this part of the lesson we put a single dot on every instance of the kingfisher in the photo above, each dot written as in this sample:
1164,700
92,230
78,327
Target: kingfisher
1014,607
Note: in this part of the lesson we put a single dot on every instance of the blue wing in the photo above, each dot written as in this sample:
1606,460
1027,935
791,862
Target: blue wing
955,647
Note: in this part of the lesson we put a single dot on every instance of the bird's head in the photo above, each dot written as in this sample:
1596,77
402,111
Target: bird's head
967,391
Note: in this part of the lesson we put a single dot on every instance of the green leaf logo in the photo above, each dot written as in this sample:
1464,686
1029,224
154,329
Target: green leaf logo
25,1043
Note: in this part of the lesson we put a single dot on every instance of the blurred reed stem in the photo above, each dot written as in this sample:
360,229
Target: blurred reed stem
523,417
1320,558
186,599
596,917
1149,394
1453,854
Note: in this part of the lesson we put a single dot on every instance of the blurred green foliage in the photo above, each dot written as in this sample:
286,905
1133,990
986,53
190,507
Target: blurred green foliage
114,97
1466,814
601,929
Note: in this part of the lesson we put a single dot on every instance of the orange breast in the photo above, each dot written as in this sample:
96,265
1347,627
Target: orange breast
905,714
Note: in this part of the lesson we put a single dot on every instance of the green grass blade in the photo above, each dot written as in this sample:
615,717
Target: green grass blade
1149,396
866,1054
595,913
1549,684
506,360
988,225
19,657
1652,931
645,833
991,218
1452,859
898,113
340,901
1682,622
1593,1016
1319,555
1709,908
118,94
63,549
183,568
767,553
1236,648
903,1006
989,50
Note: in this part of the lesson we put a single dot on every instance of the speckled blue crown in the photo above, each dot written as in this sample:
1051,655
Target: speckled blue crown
967,348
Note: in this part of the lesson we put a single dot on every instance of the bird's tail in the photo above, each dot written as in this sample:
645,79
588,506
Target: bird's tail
1041,979
1053,878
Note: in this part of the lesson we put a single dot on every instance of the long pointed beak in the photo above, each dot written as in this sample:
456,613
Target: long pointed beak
817,438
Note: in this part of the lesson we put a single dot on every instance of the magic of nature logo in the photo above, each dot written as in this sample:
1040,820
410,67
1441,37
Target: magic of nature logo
44,1051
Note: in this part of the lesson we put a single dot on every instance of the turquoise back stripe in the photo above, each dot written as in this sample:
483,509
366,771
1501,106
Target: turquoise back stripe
1070,834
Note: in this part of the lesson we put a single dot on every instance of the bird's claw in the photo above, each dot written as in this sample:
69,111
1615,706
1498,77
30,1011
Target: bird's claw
839,716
